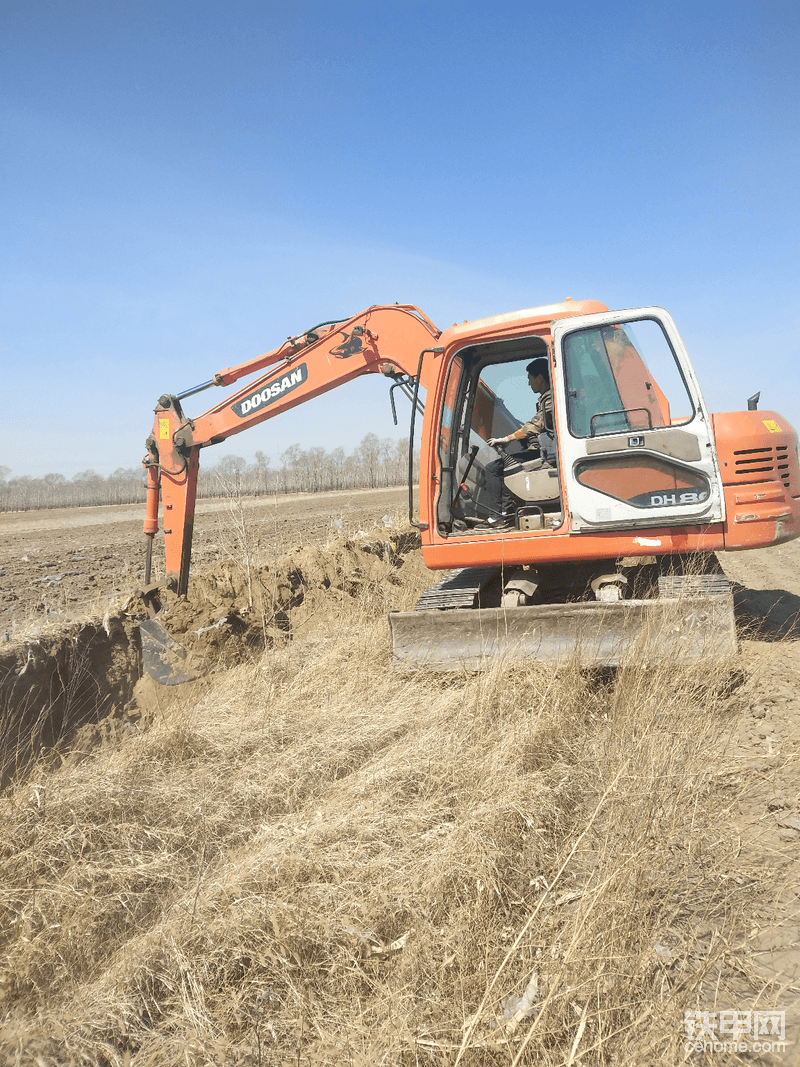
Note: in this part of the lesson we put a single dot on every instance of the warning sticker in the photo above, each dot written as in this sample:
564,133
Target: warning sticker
771,425
163,429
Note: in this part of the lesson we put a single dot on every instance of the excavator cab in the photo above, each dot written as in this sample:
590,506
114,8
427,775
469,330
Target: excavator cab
630,444
488,396
632,424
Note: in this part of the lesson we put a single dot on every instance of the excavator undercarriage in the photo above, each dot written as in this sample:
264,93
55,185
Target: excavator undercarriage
475,615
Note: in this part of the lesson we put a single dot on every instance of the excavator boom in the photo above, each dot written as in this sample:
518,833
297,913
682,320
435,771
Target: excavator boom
384,338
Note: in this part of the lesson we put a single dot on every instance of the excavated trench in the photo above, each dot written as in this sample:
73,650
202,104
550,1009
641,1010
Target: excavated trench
56,689
53,686
74,687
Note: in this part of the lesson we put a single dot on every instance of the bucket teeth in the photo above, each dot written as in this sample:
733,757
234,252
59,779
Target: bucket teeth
165,659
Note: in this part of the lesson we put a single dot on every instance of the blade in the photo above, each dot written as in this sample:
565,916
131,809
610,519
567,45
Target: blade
635,631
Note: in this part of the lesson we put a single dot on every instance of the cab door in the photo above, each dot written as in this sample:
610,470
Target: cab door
634,434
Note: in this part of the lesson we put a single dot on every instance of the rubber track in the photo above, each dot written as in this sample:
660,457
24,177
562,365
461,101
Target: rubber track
459,589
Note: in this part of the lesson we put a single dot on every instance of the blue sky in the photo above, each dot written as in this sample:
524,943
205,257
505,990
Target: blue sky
184,184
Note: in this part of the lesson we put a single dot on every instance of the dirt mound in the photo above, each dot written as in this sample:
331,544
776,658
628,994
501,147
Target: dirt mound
241,606
62,565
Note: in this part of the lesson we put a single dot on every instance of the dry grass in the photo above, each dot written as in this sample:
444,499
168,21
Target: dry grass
326,862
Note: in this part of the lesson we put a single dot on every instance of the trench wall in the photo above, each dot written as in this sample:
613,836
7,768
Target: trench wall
52,686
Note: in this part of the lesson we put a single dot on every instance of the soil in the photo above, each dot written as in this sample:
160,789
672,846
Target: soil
265,571
66,563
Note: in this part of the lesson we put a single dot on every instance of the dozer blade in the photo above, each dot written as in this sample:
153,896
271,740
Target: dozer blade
681,630
165,659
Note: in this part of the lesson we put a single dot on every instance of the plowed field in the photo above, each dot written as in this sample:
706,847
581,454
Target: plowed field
59,564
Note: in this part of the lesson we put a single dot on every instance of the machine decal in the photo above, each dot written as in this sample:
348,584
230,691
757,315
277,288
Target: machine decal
643,480
271,391
669,500
351,345
163,429
771,425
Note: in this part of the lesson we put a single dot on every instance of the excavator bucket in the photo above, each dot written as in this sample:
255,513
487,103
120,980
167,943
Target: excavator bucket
165,659
684,627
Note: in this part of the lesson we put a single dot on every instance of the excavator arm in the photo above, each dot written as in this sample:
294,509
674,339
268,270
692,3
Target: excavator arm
384,338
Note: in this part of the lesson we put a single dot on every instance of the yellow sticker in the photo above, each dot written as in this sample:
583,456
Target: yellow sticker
163,429
771,425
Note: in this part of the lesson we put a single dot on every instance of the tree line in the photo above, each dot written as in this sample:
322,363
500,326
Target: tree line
373,463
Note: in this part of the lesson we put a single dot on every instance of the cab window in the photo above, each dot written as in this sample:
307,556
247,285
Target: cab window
623,377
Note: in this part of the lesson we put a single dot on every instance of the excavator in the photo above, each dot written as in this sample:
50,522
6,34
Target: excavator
594,537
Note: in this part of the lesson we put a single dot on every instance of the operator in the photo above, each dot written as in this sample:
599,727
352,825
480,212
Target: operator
542,422
540,428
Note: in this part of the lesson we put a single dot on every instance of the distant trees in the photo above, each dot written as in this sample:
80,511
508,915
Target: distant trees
232,466
24,493
261,470
375,462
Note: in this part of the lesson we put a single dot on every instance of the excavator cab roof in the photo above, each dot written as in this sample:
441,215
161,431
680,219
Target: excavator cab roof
526,319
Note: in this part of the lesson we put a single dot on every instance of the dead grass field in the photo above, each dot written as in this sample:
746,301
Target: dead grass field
306,858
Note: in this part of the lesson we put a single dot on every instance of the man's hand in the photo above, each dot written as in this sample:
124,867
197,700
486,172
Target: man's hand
494,441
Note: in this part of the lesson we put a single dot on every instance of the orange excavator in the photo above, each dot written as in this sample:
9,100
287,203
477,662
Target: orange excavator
578,539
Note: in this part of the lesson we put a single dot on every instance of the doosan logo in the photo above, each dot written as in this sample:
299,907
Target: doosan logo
272,391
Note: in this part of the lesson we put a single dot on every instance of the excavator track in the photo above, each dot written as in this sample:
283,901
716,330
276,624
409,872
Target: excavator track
459,589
